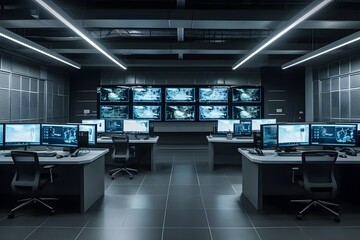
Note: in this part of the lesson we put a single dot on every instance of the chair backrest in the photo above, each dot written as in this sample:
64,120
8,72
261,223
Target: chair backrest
121,147
318,171
27,172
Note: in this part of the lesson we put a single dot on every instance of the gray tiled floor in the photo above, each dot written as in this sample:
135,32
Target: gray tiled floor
183,200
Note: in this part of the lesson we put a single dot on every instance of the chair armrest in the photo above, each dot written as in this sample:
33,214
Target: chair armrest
50,168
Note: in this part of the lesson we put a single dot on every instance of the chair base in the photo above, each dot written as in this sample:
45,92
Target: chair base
322,204
123,170
28,201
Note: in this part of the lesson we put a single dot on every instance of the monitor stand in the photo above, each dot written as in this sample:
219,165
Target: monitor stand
289,149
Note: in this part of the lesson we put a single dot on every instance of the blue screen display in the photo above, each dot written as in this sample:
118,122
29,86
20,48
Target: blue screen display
114,111
113,94
180,94
147,112
146,94
213,112
180,113
22,134
213,94
60,135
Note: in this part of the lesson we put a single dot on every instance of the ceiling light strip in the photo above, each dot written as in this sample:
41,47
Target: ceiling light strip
67,20
323,50
297,19
36,47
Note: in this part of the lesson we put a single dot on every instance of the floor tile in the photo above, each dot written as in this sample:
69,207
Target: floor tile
222,201
141,233
15,233
156,179
332,233
116,201
186,233
185,201
67,220
123,189
217,190
144,218
54,234
27,219
213,180
184,189
153,189
149,202
228,218
234,233
108,217
185,218
272,220
282,234
100,233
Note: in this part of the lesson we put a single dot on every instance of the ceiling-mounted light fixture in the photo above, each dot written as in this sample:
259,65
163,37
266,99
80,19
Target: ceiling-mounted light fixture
57,12
36,47
328,48
293,22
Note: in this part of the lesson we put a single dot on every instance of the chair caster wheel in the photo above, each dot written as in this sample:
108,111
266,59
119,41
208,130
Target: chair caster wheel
299,217
11,215
337,219
131,178
112,178
52,212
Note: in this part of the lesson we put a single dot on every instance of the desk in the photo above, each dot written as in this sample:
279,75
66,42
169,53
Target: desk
83,176
213,141
153,149
254,169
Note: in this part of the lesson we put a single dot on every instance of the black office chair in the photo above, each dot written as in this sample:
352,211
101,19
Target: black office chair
30,179
318,180
121,154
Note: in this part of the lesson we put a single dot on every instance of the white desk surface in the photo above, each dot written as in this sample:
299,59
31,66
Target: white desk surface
82,158
151,140
225,140
271,157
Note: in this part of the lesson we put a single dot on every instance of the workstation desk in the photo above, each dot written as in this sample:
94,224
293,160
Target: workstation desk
271,174
152,141
219,144
81,177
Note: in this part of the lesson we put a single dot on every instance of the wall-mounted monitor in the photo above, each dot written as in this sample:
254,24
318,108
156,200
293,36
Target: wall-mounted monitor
214,94
256,123
100,124
146,94
246,95
136,126
22,134
114,125
342,135
147,112
226,125
61,135
213,112
113,94
91,129
179,94
180,113
269,135
292,135
114,111
246,112
1,135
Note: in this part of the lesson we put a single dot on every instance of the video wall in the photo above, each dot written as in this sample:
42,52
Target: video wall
180,103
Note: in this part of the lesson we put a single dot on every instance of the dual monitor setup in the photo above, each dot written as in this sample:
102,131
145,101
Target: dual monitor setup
240,127
291,135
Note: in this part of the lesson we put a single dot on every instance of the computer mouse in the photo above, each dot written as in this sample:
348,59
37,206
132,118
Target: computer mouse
342,155
59,156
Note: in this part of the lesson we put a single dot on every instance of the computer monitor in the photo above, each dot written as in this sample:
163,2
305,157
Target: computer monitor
242,129
61,135
22,134
136,126
342,135
114,125
255,126
225,125
100,124
1,135
269,136
292,135
91,129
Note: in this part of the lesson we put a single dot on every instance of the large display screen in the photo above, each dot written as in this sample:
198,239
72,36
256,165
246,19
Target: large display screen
114,111
60,135
180,94
269,135
225,126
136,126
247,112
100,124
293,135
334,134
146,94
1,134
91,129
214,94
147,112
256,123
113,94
114,125
213,112
22,134
246,95
180,113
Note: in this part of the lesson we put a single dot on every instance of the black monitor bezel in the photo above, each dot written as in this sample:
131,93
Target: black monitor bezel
335,144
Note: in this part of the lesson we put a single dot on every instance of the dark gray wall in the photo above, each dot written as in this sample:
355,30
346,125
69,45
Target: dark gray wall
30,92
337,90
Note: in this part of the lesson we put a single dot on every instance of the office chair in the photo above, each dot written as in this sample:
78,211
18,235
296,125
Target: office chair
121,154
29,180
318,180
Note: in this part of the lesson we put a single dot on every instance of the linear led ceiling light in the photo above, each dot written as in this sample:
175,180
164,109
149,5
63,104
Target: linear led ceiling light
57,12
36,47
328,48
293,22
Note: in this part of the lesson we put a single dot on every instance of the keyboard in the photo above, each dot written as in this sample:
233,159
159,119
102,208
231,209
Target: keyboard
219,135
40,154
289,154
